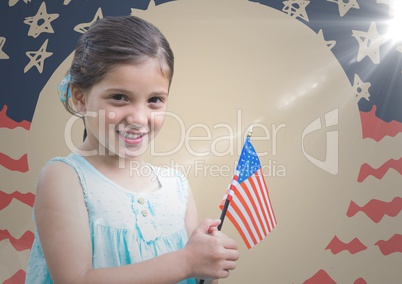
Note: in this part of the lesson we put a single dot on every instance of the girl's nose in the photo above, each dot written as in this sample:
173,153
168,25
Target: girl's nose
137,116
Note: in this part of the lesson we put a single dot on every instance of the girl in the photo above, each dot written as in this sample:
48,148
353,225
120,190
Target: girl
97,220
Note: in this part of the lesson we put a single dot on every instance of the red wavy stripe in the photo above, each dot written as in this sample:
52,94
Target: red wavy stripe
366,170
23,243
321,277
360,281
5,198
17,278
20,165
394,244
375,128
6,122
377,209
353,247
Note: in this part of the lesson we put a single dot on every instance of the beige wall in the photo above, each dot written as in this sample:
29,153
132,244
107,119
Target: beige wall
240,63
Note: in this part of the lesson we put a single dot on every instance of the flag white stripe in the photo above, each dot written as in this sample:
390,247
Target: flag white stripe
240,191
252,208
260,200
270,209
252,229
264,197
271,216
246,216
241,225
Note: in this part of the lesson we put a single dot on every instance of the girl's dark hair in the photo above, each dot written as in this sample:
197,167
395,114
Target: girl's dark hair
114,41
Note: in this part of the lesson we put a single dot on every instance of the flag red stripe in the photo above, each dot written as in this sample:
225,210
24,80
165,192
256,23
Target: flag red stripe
268,208
239,228
229,192
248,203
248,206
250,216
241,199
268,199
238,220
263,211
253,200
239,212
264,191
260,197
242,222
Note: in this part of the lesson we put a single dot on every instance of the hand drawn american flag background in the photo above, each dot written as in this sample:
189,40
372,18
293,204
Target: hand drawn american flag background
37,36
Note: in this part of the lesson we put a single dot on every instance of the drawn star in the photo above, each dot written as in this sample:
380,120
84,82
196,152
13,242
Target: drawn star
345,7
140,12
361,88
296,8
13,2
42,17
329,43
66,2
37,58
369,43
3,55
83,27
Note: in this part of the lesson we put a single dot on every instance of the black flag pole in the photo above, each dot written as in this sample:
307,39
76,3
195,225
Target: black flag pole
223,214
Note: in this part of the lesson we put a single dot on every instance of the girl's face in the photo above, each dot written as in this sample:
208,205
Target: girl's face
126,110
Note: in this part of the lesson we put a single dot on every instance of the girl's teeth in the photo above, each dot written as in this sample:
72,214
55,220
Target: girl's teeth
131,135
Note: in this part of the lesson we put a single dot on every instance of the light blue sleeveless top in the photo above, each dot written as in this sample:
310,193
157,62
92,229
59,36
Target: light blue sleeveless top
125,227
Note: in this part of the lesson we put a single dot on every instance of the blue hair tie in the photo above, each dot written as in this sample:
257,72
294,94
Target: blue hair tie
64,88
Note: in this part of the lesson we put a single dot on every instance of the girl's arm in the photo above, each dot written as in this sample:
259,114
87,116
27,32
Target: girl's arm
62,223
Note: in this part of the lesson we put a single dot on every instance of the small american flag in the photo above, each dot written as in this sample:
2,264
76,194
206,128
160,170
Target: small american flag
250,208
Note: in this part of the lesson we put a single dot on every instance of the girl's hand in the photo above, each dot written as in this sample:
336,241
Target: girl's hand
211,254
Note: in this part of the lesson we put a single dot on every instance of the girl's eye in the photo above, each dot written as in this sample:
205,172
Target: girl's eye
154,100
119,97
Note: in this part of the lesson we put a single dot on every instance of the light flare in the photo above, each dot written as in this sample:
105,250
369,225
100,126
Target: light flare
395,24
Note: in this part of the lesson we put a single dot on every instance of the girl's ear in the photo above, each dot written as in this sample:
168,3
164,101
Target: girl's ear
78,98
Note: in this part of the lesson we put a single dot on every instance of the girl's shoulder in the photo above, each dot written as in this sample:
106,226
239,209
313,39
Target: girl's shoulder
57,184
57,166
71,163
60,171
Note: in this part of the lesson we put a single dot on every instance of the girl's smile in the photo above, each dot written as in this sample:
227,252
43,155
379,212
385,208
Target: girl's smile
131,137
